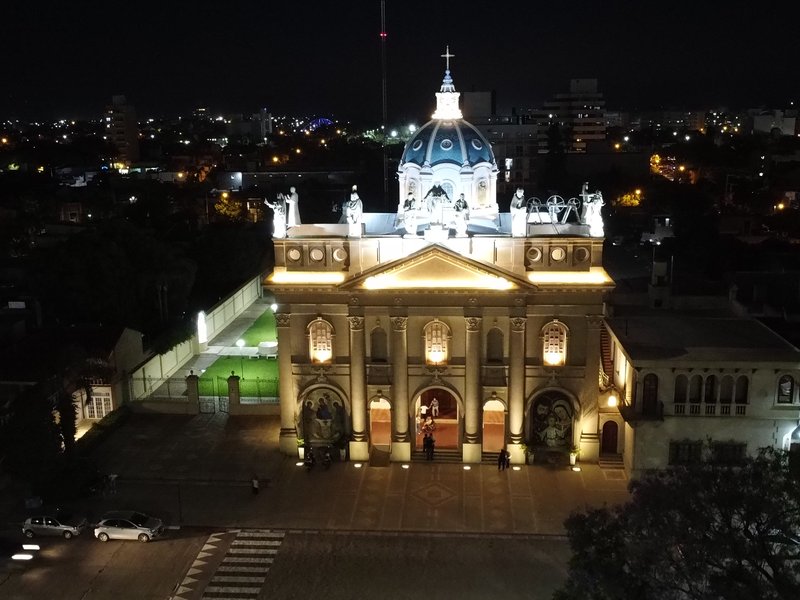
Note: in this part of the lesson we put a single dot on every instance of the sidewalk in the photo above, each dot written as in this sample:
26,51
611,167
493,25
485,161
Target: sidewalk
196,471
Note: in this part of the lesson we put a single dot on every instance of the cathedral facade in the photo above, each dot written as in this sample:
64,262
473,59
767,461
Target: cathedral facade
449,319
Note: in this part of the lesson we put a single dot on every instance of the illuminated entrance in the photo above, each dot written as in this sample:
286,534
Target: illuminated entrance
494,426
380,423
436,412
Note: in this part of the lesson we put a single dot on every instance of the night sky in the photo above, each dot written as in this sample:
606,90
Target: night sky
66,59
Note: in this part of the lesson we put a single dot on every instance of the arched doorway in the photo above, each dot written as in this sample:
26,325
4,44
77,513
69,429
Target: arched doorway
550,421
494,426
610,438
380,423
436,410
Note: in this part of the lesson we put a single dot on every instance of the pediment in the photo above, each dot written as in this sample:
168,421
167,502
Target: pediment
436,268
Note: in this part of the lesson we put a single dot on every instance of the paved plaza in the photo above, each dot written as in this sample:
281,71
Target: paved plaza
196,471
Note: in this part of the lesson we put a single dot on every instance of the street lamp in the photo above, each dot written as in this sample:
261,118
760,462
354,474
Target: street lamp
240,344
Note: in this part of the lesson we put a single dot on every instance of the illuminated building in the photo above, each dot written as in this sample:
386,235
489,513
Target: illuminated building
122,130
378,318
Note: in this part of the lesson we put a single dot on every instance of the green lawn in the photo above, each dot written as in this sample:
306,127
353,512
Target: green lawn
258,376
262,330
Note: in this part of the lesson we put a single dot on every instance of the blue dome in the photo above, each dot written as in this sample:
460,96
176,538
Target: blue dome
456,142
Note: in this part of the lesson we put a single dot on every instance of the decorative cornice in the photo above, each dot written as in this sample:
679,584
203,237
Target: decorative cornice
473,323
356,323
399,323
518,324
283,319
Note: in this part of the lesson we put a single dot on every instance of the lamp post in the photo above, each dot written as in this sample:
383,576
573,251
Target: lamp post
240,344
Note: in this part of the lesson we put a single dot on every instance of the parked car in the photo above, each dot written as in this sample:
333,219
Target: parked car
128,525
59,523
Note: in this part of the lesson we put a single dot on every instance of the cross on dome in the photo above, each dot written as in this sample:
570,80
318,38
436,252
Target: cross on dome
447,97
447,56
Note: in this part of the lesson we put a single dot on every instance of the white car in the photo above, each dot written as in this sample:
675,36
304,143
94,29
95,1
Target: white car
128,525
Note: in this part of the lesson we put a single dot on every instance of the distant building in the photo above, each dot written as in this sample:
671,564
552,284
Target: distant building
776,122
579,114
122,130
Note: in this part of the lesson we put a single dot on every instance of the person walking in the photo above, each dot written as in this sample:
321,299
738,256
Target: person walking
431,447
501,460
254,484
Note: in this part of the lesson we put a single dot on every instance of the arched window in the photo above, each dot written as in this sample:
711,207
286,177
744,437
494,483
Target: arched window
726,390
650,394
554,344
378,345
681,389
710,390
742,386
437,338
320,341
695,389
786,389
494,346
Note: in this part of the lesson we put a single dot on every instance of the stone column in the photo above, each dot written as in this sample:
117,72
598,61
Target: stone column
234,396
471,448
193,393
288,436
359,446
587,420
401,443
516,389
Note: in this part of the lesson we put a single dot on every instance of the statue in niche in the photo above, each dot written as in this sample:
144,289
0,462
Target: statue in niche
354,209
410,214
519,213
278,216
435,202
461,216
483,193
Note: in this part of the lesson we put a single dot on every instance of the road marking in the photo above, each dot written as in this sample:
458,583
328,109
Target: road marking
242,570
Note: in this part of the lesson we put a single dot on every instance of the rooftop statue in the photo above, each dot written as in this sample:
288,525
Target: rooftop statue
354,211
519,214
409,215
278,216
461,216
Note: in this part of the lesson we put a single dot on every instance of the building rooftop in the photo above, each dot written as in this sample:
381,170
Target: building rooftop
700,339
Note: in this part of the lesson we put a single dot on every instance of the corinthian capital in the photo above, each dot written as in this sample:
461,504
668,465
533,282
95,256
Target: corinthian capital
518,324
399,323
473,323
356,323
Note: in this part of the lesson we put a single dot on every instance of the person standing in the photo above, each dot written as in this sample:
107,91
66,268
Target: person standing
434,407
254,484
431,447
501,460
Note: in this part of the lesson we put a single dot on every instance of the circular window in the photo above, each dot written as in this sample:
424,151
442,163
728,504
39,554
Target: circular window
477,144
316,254
534,254
558,254
446,145
293,254
581,254
340,255
416,145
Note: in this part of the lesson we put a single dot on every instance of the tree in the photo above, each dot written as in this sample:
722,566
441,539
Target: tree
32,444
67,420
707,531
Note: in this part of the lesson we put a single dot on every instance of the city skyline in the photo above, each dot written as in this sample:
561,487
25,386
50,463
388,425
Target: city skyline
60,62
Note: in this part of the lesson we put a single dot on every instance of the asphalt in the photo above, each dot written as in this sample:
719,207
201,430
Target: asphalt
197,471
